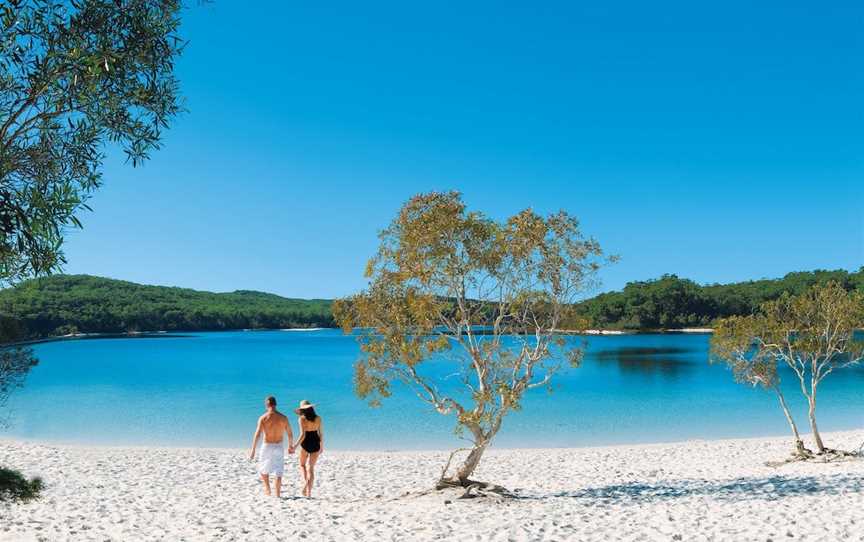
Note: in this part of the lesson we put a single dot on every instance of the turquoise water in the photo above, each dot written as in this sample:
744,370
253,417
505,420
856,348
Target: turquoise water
206,389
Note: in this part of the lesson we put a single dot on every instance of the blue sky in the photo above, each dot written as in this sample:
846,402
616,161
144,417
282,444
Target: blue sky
720,142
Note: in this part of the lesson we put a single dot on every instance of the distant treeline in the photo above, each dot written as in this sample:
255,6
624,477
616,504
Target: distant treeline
63,304
671,302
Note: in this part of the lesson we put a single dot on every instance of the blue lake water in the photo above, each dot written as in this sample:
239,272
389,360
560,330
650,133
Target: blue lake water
206,389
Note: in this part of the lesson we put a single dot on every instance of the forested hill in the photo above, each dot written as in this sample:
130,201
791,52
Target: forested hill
671,302
62,304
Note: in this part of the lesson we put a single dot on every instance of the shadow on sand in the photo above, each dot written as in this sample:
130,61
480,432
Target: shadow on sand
768,488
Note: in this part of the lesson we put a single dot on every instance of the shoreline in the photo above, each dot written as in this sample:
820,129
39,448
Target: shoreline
671,331
149,334
705,489
12,440
186,332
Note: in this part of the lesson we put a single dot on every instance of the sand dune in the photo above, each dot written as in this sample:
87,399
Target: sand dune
700,490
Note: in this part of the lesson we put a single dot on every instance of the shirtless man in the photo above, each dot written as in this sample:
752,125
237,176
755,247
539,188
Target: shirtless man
271,460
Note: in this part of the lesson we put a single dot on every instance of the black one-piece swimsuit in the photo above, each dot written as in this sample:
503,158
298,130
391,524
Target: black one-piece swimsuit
311,442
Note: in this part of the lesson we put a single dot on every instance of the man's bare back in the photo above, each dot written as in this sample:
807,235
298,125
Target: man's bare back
273,424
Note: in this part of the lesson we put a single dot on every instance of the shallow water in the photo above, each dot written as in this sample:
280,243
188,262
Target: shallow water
206,389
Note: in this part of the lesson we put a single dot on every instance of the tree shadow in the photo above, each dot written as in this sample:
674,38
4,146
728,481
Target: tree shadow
768,488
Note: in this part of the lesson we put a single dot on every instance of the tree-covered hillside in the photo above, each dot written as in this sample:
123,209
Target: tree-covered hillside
671,302
62,304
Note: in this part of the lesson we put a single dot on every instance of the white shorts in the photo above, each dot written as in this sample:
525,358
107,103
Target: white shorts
271,459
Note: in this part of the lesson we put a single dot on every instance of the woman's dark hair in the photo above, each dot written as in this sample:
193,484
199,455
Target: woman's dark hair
309,413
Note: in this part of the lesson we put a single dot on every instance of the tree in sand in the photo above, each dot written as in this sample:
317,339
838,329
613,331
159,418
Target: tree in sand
812,334
486,297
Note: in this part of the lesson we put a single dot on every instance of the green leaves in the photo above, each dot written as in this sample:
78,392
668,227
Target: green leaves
671,302
492,295
812,333
76,77
15,488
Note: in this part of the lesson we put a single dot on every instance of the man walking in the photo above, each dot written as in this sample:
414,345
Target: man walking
271,459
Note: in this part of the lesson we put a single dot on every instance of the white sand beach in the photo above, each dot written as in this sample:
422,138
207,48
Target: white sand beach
698,490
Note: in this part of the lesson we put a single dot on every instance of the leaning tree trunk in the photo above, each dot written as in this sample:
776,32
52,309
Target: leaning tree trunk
468,466
462,476
820,447
800,449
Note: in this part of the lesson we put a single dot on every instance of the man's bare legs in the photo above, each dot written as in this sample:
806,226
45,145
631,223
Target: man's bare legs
278,487
304,455
265,478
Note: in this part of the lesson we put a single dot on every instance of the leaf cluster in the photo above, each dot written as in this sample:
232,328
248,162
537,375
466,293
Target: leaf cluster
814,333
75,77
489,296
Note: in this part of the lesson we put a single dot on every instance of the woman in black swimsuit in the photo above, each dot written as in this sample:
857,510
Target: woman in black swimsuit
311,443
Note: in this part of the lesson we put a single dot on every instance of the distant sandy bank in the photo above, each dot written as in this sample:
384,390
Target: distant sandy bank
636,331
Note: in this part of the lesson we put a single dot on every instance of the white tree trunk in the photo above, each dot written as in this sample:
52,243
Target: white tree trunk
799,444
463,474
820,447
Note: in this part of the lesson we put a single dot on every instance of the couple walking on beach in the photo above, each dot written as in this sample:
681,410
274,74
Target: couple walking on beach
271,457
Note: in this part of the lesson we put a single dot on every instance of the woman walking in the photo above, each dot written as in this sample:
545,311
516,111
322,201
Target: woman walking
311,443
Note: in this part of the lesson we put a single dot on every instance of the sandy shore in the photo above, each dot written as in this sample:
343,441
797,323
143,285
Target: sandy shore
700,490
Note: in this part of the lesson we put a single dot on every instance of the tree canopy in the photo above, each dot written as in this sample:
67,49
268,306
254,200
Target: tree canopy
812,333
483,296
76,79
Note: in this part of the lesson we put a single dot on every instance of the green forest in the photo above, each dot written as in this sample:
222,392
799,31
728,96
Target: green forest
63,304
671,302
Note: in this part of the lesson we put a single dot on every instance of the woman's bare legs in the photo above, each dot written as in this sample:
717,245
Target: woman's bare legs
310,470
304,457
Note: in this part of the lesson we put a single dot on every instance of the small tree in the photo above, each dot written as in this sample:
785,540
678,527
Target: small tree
813,334
732,343
485,295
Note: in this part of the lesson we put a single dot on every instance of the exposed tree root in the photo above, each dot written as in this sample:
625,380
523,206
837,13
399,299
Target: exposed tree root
474,489
802,451
828,455
470,489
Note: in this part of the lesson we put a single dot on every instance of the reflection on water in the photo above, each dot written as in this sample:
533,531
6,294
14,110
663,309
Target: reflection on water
666,361
15,363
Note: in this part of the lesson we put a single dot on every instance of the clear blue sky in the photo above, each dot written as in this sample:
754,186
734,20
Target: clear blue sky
720,141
